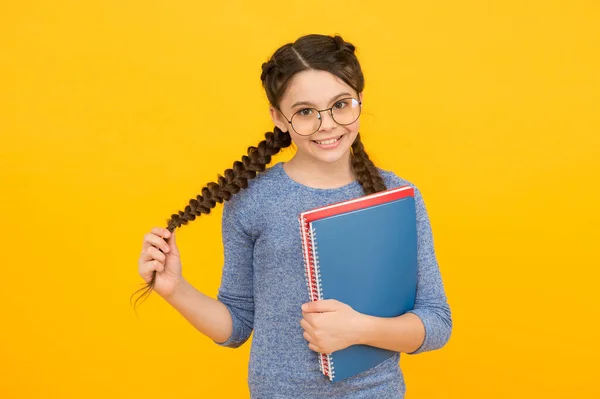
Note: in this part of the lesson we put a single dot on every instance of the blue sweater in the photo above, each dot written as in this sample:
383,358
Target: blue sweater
263,286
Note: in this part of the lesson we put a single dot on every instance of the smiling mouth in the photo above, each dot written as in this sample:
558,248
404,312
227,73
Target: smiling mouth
330,141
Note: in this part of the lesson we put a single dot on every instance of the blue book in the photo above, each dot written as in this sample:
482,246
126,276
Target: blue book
362,252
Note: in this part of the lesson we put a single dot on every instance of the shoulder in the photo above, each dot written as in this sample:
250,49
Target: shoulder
264,182
247,200
245,210
392,180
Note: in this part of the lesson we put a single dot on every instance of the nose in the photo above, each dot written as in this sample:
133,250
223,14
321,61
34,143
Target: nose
327,122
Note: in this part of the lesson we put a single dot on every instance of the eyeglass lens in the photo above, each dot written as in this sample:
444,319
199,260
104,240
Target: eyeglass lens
344,112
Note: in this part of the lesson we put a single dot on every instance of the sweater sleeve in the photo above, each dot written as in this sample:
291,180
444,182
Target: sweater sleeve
431,305
236,289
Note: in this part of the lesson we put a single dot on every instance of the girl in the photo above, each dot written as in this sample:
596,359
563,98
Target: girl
314,87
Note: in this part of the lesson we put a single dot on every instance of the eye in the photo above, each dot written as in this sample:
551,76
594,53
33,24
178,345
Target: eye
305,112
341,104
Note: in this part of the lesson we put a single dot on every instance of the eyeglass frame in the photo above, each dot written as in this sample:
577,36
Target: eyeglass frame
330,109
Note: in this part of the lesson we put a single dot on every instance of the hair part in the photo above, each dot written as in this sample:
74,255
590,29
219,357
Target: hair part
318,52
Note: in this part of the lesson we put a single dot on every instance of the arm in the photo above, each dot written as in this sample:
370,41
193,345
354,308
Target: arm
404,333
207,315
227,320
236,292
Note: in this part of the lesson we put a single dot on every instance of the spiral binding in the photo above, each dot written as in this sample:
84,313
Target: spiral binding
313,281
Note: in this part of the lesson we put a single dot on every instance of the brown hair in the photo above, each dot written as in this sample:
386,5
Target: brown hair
318,52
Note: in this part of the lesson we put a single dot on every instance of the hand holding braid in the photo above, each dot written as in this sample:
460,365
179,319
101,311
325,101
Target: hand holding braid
231,183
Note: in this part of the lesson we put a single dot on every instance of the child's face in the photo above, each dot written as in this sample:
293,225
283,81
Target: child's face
320,90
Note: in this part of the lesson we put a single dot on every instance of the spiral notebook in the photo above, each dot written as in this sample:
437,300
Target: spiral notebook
362,252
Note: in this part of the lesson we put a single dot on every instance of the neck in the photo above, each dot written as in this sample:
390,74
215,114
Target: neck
318,174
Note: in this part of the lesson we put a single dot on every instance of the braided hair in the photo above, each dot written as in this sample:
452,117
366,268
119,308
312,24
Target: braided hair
318,52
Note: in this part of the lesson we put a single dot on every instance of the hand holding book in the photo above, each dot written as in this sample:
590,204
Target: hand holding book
330,325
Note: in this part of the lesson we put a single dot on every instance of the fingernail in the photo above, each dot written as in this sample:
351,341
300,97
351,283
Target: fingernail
304,306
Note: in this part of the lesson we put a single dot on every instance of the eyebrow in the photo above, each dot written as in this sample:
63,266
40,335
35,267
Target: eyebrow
309,103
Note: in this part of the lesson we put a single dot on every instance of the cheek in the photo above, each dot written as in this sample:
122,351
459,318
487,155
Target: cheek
353,130
298,140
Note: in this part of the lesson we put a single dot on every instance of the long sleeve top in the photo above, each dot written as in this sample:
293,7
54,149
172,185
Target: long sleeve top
263,285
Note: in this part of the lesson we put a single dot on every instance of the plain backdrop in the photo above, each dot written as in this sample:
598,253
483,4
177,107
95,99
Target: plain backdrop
114,114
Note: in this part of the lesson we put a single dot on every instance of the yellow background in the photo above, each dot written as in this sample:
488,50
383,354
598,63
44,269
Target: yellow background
114,114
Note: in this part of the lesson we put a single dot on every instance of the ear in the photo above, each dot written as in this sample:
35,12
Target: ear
360,97
278,119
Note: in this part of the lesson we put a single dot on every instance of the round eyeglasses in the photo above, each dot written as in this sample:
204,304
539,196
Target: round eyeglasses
308,120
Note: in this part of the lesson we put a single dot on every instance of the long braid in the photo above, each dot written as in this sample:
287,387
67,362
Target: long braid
364,170
231,183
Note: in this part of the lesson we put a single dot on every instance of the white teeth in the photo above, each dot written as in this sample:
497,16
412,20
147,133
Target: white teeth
328,141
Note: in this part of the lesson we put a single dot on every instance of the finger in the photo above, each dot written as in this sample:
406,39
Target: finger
306,325
312,319
323,305
154,240
171,238
313,347
161,232
147,268
152,253
172,242
155,254
308,337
